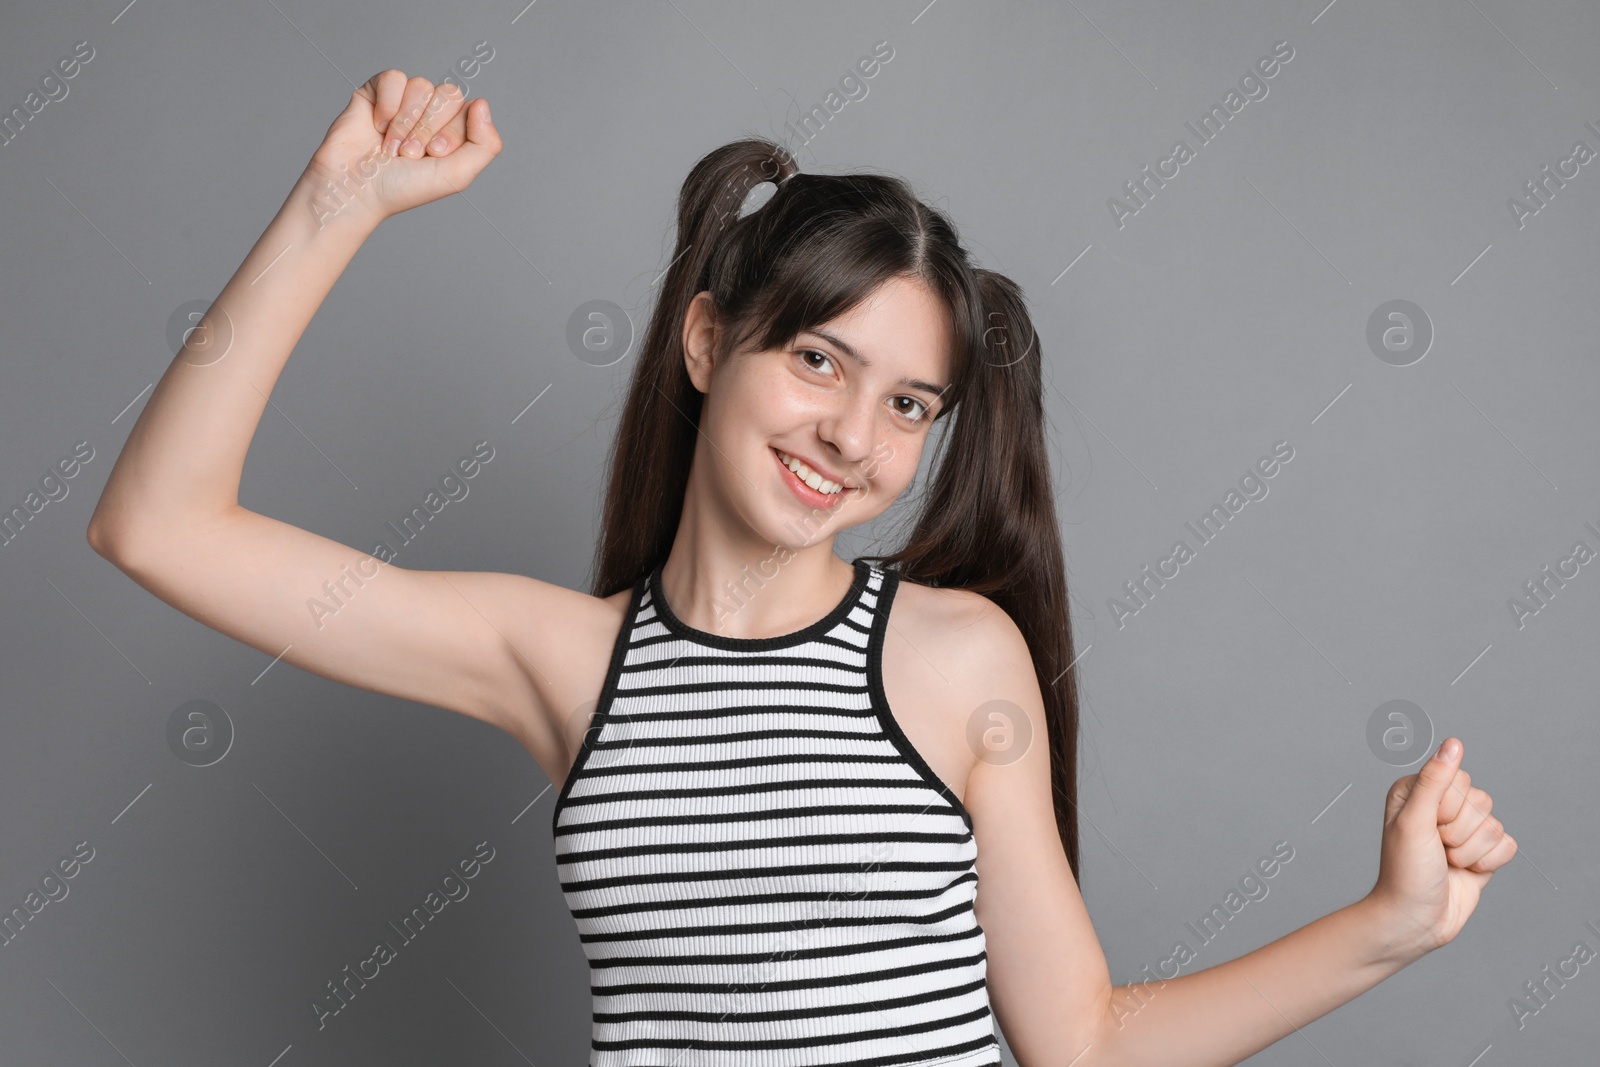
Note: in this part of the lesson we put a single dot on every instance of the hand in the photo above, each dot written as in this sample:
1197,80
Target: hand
1440,848
361,165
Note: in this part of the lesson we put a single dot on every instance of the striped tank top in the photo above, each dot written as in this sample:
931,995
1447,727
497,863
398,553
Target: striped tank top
763,871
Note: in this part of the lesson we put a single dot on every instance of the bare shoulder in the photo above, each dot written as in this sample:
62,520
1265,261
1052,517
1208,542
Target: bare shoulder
947,653
965,629
984,730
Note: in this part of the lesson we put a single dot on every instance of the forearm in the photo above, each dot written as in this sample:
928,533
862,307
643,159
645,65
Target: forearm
1223,1014
184,456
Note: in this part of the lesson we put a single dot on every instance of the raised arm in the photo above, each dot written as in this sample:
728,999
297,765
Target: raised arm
170,517
1049,982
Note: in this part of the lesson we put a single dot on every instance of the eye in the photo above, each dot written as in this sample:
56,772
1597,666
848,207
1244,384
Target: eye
804,352
921,415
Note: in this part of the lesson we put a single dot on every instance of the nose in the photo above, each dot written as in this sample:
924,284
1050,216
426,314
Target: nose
850,427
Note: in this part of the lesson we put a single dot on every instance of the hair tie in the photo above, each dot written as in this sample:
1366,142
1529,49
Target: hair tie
754,201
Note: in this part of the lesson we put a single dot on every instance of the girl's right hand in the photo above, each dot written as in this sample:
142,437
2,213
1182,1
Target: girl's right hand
365,164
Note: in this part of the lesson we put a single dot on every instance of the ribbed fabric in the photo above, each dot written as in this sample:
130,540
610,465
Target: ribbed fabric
763,871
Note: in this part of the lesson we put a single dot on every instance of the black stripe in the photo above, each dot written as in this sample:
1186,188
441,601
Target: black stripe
692,740
757,815
630,989
736,710
653,964
752,683
680,933
754,760
679,848
789,870
732,660
793,897
819,1011
809,1042
621,796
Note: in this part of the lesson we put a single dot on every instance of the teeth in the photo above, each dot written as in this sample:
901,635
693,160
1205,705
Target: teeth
809,476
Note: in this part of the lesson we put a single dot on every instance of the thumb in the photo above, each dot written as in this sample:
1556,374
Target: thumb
482,145
1422,804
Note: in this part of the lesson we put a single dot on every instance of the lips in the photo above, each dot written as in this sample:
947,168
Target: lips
813,497
825,473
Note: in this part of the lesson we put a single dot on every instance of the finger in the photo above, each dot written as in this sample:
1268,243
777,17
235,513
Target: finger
1421,809
1498,856
1473,814
1485,839
451,137
1455,796
441,107
482,145
385,90
418,92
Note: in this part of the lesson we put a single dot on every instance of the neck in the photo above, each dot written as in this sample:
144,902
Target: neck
747,588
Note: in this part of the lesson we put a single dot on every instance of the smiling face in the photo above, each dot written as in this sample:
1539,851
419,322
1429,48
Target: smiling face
852,400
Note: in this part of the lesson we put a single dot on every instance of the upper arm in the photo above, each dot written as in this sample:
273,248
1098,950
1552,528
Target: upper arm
1048,979
463,641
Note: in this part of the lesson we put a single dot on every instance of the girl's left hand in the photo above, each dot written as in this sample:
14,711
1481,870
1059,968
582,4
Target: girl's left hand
1440,848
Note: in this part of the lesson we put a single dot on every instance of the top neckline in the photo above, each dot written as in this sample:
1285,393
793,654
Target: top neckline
672,622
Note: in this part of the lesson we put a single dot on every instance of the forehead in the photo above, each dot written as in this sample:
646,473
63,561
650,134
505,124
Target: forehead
901,328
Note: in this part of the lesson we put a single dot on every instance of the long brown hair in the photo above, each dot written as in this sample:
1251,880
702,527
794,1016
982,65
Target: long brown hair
819,245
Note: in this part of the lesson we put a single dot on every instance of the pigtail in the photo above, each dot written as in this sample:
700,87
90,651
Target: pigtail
988,523
662,411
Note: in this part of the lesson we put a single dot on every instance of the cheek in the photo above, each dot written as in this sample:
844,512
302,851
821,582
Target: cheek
739,402
789,398
893,466
762,395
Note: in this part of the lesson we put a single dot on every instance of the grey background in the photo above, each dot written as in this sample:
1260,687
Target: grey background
1230,313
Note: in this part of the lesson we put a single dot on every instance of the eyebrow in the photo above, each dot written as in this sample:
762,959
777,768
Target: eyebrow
841,345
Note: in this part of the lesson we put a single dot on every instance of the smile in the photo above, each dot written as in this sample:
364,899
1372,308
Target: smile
807,484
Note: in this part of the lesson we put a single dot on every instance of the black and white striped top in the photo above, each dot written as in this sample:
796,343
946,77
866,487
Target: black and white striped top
763,871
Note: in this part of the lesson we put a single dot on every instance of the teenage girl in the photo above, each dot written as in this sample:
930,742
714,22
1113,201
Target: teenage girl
780,786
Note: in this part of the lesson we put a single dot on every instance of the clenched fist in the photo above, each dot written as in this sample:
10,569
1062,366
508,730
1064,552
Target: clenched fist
398,144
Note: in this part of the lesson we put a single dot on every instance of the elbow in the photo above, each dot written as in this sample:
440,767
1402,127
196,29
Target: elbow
109,542
99,539
103,528
146,542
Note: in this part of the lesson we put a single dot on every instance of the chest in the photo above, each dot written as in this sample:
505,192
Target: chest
930,708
